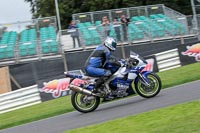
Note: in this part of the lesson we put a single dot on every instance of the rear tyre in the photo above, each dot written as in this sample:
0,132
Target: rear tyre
153,90
84,103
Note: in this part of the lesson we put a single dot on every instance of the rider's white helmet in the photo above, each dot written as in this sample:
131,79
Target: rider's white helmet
110,43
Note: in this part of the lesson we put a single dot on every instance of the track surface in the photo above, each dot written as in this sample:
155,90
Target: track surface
121,108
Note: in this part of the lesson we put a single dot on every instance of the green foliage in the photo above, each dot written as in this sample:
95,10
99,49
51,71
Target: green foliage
46,8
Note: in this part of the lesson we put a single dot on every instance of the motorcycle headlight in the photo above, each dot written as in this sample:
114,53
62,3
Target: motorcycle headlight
133,62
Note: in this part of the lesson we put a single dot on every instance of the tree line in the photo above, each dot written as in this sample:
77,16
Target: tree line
46,8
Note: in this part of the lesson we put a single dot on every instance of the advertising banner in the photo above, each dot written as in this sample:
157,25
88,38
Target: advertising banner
189,53
56,87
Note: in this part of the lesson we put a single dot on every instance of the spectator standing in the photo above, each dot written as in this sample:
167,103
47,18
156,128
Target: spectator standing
74,33
124,22
106,25
116,25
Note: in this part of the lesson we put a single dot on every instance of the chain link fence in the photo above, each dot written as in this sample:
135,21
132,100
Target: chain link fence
128,12
144,23
139,28
29,40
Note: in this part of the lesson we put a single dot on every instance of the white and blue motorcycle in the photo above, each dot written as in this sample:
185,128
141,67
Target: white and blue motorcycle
129,76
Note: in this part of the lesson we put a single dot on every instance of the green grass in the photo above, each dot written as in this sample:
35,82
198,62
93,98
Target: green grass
180,75
182,118
63,105
36,112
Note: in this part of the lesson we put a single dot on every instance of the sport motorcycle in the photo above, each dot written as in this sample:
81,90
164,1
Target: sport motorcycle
130,75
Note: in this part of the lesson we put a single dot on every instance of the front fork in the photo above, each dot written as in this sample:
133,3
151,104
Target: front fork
144,80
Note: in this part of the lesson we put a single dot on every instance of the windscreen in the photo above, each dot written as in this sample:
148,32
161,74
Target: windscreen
133,54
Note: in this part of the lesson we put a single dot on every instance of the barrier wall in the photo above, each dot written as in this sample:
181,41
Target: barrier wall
36,72
19,99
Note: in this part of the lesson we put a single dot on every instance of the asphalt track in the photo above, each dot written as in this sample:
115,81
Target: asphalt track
121,108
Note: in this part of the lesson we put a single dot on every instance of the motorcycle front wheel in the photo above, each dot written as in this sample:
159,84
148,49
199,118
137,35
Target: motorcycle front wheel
84,103
149,91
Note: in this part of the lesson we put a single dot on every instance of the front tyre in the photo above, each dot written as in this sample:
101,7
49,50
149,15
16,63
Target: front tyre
152,90
84,103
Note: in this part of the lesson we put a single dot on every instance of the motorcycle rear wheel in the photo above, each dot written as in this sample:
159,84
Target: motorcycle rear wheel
153,90
84,103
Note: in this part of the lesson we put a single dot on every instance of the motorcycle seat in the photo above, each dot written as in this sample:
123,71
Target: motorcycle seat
84,77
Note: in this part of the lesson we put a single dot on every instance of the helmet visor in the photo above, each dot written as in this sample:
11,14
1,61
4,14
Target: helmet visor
114,44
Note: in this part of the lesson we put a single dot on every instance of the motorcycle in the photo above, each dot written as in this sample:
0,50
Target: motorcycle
145,83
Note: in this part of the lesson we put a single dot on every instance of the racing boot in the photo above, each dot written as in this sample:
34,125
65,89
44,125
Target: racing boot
98,86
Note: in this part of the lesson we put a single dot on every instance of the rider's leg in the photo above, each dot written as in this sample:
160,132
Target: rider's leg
102,79
98,72
95,72
98,83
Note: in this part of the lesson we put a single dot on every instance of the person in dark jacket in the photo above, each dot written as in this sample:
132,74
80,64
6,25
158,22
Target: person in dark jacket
74,34
125,22
106,26
117,25
95,65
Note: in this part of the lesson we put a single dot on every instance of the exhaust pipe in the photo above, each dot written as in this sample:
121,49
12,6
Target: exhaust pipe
81,90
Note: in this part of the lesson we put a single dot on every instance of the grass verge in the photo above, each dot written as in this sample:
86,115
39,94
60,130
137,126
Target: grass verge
182,118
36,112
180,75
63,105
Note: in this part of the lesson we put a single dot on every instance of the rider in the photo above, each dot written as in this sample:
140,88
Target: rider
95,64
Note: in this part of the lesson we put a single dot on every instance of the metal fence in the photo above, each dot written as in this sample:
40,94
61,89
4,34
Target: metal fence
193,27
146,29
34,23
128,12
29,45
197,25
173,25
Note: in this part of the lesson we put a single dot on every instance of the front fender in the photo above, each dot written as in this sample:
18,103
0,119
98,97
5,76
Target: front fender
145,74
